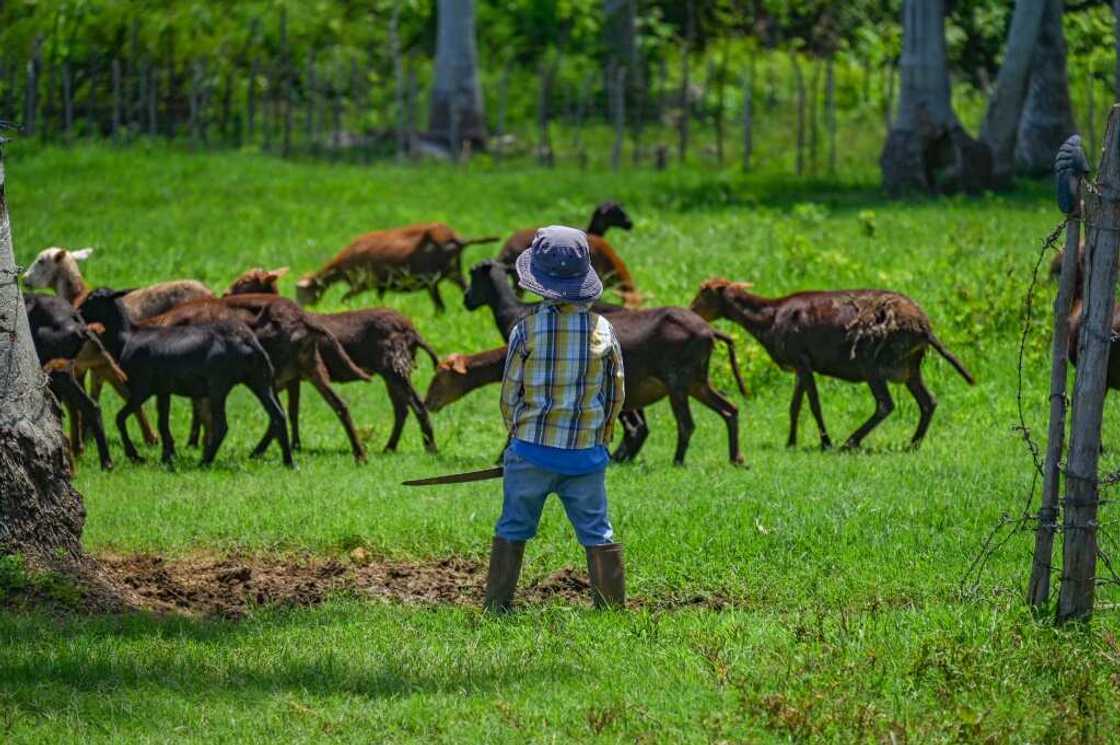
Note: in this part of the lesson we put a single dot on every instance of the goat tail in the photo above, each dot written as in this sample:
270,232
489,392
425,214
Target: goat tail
332,343
428,349
476,241
952,360
726,339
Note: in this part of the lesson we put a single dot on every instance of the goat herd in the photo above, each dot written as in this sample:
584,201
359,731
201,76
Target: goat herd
178,339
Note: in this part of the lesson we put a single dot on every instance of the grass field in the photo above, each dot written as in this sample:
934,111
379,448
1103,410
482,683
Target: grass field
813,596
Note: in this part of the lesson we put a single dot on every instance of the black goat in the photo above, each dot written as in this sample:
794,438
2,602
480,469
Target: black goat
203,361
65,346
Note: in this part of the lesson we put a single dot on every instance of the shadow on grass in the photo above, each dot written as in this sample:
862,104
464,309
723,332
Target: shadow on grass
44,658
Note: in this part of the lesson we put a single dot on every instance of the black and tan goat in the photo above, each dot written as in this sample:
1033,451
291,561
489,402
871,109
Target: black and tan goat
204,361
871,336
67,347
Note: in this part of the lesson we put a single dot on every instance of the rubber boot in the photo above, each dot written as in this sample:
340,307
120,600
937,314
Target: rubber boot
505,567
608,575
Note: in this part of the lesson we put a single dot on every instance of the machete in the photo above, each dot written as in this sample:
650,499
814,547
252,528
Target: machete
458,478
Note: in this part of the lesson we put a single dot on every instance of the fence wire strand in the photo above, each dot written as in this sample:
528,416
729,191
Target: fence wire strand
1009,525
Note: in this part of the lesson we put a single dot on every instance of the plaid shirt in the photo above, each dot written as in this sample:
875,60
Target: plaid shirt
563,385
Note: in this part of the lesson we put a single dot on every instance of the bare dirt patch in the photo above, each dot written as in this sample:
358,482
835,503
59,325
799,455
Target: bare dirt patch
232,585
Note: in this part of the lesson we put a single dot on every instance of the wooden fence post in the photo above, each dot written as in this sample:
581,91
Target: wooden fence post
1038,590
799,81
116,98
618,108
1102,220
830,113
748,94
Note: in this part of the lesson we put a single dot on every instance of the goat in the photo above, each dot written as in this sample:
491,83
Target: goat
665,352
57,268
871,336
403,259
201,361
489,286
292,339
67,346
610,267
381,341
459,374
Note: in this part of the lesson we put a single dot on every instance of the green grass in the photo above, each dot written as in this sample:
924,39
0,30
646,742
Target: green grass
850,614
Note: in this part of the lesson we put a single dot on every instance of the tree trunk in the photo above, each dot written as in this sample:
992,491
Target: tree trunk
251,103
1048,115
457,83
1005,107
30,104
619,34
67,99
927,149
547,73
830,113
117,98
41,515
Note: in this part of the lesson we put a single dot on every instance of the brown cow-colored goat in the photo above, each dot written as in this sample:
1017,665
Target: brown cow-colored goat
872,336
405,259
608,264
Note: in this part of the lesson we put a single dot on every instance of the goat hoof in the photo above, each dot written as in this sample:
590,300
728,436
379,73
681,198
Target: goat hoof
361,459
431,449
849,446
106,465
739,462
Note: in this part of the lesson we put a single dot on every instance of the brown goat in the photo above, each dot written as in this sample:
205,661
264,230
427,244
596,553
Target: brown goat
665,353
406,259
292,340
380,340
608,264
871,336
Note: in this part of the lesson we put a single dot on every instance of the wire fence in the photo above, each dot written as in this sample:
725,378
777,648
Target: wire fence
1026,520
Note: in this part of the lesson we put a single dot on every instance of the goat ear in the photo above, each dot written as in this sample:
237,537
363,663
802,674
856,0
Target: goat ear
95,328
278,273
458,363
82,254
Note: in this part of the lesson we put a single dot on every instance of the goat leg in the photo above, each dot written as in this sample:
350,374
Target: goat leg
634,434
884,405
705,394
433,291
685,425
141,418
293,413
221,427
278,428
805,375
926,405
163,421
343,413
795,411
130,407
421,412
81,406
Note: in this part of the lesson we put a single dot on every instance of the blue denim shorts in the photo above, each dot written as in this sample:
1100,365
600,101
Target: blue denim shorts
526,487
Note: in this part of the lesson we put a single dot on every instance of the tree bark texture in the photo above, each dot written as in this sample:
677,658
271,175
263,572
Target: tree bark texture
927,149
1047,118
1102,222
1005,107
457,85
41,515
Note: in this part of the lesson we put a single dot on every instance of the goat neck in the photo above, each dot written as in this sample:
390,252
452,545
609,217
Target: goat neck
598,225
69,283
752,312
504,303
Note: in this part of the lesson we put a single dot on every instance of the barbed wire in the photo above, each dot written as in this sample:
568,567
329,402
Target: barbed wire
1009,525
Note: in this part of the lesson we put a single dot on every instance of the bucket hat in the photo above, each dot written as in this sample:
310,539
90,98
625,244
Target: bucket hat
558,266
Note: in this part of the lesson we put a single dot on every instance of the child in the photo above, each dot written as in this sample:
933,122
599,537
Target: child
562,390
